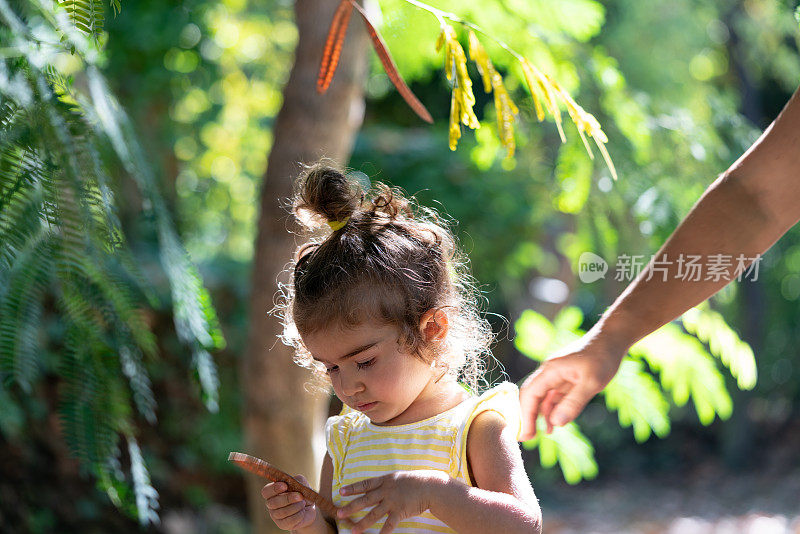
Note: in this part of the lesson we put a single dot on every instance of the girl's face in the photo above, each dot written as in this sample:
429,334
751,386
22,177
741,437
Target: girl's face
372,373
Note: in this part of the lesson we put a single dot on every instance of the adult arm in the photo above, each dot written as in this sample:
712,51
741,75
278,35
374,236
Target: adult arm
744,211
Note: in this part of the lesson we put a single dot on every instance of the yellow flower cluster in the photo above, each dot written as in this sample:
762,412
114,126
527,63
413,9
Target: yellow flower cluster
544,88
463,99
546,94
492,81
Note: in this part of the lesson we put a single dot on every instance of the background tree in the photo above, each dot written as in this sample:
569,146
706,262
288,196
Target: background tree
203,81
281,421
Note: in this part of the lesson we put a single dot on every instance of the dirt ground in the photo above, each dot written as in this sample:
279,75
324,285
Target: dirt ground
710,503
766,502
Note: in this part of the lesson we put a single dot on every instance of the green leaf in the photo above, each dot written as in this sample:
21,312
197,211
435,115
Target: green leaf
568,447
710,327
534,335
146,497
638,401
87,15
686,370
12,417
537,338
569,319
61,241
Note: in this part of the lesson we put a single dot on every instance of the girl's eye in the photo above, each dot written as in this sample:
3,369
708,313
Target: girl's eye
329,370
364,365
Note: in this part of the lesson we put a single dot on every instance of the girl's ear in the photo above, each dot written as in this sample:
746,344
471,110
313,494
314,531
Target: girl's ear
434,325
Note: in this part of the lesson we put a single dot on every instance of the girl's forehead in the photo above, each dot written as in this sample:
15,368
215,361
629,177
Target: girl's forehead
341,330
335,342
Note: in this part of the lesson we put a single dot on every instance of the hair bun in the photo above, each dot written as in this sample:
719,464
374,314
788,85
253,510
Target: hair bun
324,192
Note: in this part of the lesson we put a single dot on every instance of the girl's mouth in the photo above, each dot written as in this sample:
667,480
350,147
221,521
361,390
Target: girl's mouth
363,407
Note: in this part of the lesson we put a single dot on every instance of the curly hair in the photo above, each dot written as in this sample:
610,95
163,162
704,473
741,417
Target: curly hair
386,259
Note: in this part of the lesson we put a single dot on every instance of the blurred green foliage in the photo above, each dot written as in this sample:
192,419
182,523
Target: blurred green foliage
74,302
681,88
668,365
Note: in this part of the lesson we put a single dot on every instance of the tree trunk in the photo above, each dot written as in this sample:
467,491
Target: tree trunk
282,422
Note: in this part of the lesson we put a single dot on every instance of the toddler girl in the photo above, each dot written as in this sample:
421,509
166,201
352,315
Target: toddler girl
384,307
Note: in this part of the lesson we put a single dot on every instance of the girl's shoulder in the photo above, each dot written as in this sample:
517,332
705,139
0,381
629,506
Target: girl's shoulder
345,422
503,399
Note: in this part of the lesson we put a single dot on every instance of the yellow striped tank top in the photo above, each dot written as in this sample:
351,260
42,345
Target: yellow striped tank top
360,449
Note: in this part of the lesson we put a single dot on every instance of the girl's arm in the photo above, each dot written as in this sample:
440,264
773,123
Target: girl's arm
322,523
503,501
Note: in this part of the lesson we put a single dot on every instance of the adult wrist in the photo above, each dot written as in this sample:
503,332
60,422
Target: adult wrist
613,335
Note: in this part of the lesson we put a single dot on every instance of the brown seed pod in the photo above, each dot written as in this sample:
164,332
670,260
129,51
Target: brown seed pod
273,474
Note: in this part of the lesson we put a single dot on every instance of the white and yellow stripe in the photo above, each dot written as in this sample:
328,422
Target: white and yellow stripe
361,450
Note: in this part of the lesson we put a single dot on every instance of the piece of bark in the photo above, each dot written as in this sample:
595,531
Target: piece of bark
273,474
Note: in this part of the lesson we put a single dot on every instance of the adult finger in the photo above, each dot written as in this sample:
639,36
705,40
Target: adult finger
571,405
272,489
362,486
531,395
371,518
550,400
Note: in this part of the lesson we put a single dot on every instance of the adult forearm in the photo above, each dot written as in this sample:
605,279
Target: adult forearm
741,214
468,510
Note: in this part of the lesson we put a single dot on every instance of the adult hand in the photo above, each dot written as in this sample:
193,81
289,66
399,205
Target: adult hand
398,495
288,509
563,384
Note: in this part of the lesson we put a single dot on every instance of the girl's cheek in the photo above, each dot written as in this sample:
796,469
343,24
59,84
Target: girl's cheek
336,382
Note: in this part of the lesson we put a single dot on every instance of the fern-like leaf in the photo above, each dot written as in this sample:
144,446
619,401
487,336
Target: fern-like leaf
61,240
146,497
686,370
638,401
87,15
710,327
568,447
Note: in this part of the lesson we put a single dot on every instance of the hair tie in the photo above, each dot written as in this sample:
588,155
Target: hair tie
338,225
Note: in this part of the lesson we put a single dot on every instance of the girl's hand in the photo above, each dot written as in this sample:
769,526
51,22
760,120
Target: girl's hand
397,495
288,509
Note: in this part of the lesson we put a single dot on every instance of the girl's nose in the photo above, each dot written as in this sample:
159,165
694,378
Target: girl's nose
351,384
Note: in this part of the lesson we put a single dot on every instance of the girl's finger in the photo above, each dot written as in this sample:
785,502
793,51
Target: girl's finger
391,522
287,511
371,518
284,499
362,486
359,504
272,489
300,519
